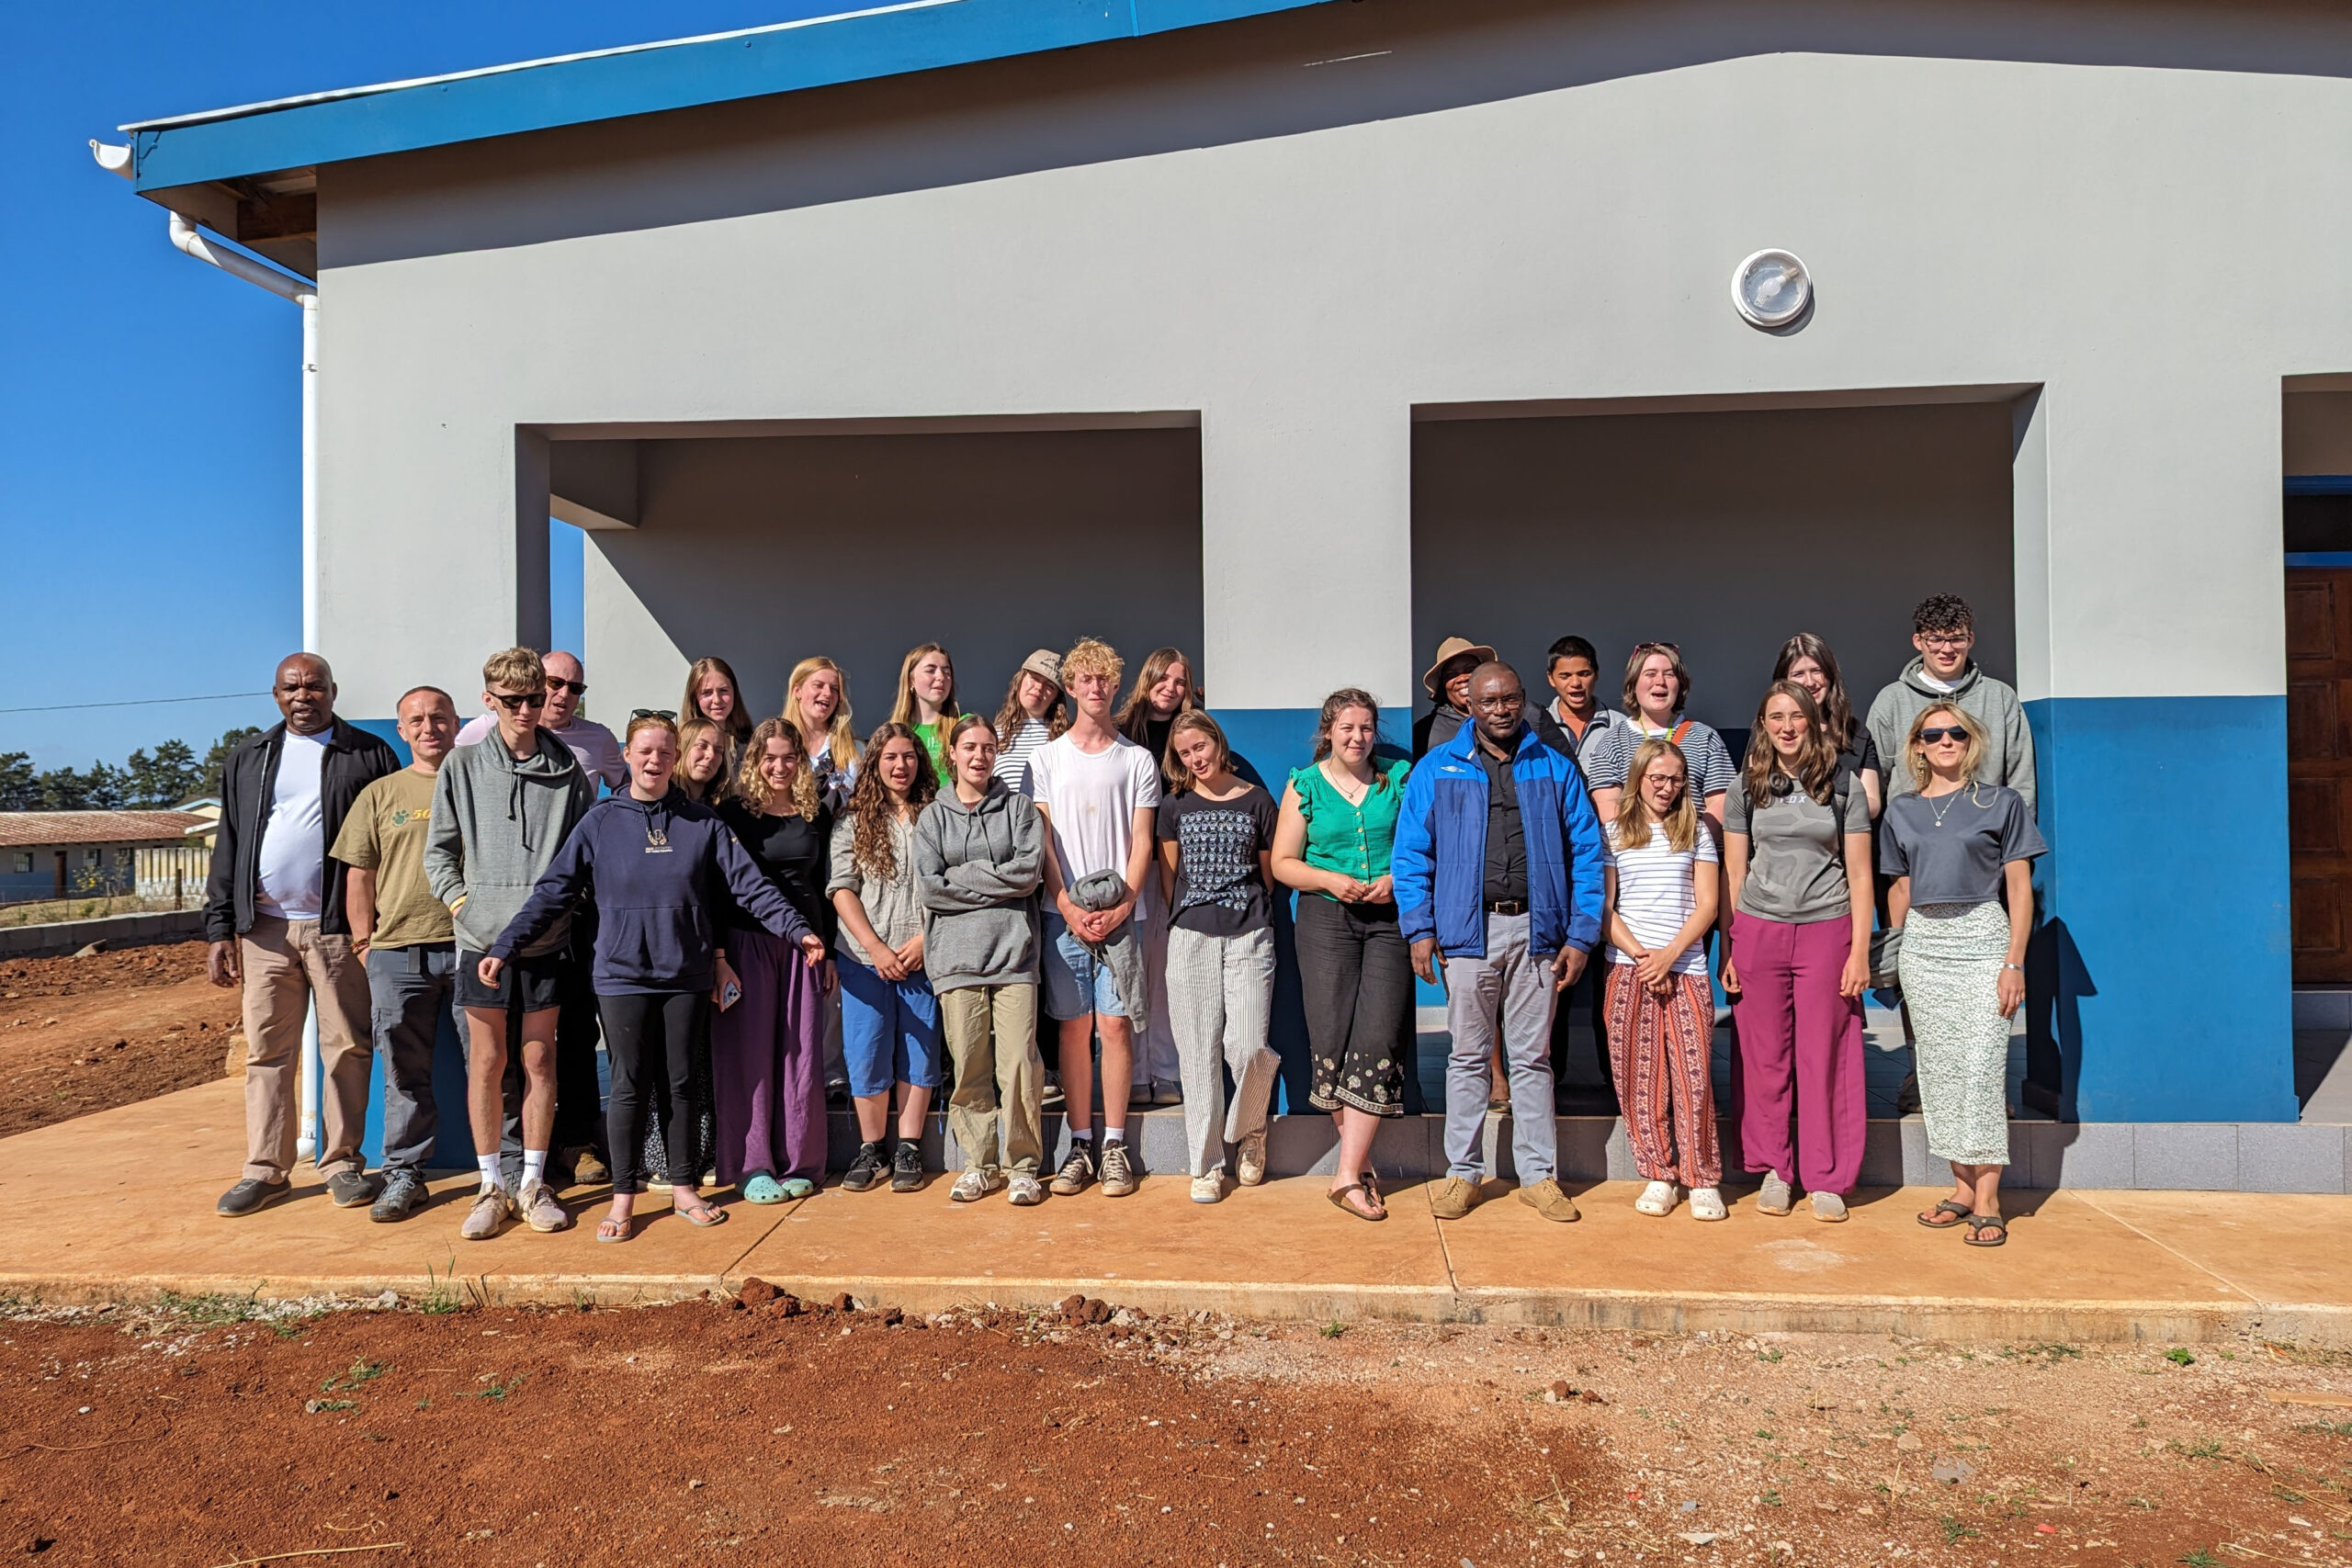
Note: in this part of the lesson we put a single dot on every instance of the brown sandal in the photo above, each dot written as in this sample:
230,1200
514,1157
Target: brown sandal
1979,1224
1957,1210
1338,1196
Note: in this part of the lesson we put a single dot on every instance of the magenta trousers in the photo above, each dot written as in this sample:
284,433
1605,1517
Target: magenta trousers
767,1064
1799,1040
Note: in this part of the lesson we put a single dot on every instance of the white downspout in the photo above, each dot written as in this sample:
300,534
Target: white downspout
186,238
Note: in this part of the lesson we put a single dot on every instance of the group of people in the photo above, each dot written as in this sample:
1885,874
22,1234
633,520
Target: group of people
719,900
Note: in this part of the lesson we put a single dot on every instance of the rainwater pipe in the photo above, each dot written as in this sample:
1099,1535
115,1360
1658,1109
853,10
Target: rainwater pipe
187,239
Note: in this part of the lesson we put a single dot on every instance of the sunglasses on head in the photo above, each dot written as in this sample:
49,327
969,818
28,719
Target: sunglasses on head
670,714
1673,647
577,688
1941,733
515,701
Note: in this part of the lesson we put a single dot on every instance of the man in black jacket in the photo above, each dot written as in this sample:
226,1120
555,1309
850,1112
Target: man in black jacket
274,916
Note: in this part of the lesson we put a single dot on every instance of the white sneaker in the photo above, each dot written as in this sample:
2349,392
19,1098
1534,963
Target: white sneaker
1250,1158
974,1185
537,1205
1209,1189
1657,1198
494,1206
1706,1203
1828,1208
1027,1190
1775,1197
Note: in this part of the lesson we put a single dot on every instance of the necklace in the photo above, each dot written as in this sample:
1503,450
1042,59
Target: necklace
1351,789
1943,810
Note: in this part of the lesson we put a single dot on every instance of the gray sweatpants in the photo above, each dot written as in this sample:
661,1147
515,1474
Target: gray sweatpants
411,991
1220,1003
1514,985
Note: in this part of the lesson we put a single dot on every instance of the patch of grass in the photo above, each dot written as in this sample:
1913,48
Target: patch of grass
2141,1502
2204,1448
1768,1356
2179,1357
2198,1558
1333,1329
2329,1429
1771,1500
1767,1437
439,1295
499,1391
359,1372
322,1407
1955,1531
215,1310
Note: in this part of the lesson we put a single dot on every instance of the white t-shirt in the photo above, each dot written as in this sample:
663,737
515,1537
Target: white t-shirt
1092,801
294,841
1654,892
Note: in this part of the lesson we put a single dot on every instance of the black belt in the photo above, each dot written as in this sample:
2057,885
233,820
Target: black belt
1506,905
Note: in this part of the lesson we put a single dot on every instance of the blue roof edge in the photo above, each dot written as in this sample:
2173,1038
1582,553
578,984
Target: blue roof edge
614,84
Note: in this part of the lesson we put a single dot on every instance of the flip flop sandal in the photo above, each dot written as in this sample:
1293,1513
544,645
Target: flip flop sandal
1957,1211
703,1214
611,1229
1339,1201
1979,1224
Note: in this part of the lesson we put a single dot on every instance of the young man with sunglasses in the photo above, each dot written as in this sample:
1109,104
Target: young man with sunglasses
1944,631
500,811
596,747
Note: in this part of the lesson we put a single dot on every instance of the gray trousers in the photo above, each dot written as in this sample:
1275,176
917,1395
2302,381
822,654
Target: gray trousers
409,991
1220,1004
1513,986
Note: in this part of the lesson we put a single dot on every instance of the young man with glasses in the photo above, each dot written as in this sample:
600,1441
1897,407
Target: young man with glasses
598,750
500,811
1944,632
1498,872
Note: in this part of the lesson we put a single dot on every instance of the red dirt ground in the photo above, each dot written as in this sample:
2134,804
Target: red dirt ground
84,1034
711,1433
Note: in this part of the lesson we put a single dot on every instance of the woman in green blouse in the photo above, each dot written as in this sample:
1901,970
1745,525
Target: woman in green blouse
1332,842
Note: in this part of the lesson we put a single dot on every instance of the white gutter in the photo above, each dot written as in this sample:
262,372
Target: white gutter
190,241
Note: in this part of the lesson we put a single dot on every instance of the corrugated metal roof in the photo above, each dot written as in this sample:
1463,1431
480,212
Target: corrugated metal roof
19,829
572,89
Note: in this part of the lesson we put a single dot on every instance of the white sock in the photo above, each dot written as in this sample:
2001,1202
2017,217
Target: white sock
535,1165
1114,1134
491,1175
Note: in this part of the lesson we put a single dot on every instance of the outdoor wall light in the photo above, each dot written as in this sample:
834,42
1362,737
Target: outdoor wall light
1770,288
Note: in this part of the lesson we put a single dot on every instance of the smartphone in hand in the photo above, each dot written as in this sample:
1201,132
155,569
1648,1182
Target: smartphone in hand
729,995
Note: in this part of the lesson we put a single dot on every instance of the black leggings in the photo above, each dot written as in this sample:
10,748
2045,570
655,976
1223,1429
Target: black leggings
650,1039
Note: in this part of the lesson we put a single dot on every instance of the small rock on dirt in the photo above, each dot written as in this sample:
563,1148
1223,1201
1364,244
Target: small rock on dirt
755,1292
1953,1471
844,1302
1908,1443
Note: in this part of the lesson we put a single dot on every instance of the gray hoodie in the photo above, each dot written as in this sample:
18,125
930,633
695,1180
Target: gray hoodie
979,868
497,824
2008,742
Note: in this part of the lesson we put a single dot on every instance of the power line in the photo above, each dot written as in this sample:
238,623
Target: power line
135,702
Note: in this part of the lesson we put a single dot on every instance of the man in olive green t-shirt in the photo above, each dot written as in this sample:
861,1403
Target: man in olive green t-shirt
403,932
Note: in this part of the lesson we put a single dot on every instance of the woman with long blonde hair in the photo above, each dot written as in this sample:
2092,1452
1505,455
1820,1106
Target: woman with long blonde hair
701,762
1661,882
767,1042
1797,955
816,702
1164,688
925,704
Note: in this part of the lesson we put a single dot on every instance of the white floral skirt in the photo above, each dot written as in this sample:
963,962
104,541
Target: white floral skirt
1950,967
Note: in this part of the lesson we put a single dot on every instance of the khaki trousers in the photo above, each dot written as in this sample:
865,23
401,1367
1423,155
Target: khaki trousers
289,964
992,1038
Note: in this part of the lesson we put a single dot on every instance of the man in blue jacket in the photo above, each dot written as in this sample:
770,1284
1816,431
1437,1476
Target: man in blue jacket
1498,872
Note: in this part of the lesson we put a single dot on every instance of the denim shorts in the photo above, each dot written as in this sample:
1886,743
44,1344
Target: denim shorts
889,1029
1077,982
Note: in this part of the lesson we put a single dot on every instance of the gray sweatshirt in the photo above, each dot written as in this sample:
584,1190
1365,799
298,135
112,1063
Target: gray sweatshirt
2008,742
497,824
979,868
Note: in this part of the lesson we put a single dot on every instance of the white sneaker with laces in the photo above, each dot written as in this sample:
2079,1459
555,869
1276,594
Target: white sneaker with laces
974,1185
1657,1198
1027,1190
494,1206
1209,1189
1250,1158
1706,1203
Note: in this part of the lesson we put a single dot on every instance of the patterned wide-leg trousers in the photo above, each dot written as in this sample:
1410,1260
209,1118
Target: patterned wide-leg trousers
1658,1047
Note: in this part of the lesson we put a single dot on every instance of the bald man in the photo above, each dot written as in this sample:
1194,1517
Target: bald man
274,917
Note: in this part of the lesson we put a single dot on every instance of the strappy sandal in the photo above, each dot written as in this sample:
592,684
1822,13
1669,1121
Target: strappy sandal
1979,1224
1338,1197
703,1214
610,1229
1957,1211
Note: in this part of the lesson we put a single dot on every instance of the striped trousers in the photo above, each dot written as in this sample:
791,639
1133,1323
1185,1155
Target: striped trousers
1658,1049
1221,1002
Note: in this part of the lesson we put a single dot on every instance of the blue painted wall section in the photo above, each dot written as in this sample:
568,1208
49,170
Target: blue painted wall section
2166,906
667,76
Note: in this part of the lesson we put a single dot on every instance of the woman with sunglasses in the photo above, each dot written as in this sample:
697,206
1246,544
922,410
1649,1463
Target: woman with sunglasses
713,692
1656,690
1806,660
1797,955
659,870
1962,855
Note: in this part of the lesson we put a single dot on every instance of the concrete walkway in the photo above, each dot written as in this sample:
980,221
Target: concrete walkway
119,1205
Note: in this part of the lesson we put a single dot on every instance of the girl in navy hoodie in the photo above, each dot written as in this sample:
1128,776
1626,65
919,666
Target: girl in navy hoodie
661,870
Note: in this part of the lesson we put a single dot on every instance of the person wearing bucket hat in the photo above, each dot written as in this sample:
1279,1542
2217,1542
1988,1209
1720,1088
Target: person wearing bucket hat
1447,681
1035,711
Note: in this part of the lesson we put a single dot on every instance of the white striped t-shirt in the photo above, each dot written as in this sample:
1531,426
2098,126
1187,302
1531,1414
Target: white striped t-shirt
1654,892
1012,762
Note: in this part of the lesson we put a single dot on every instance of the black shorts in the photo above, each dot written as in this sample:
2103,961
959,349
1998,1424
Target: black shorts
525,985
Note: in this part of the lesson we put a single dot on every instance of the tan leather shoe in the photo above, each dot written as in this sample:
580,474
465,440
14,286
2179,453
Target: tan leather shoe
1453,1198
1547,1199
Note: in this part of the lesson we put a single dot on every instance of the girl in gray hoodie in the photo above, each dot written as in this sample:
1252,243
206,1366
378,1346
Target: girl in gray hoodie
979,860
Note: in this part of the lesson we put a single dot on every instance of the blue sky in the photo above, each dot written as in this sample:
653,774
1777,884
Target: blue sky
149,419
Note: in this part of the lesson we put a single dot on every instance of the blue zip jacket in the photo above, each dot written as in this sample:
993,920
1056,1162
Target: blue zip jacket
1439,863
661,873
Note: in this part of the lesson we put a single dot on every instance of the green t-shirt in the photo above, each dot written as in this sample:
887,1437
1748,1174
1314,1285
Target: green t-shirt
385,833
933,741
1354,841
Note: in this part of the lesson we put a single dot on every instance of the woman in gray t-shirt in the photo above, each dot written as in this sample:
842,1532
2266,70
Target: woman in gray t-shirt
1796,953
1957,849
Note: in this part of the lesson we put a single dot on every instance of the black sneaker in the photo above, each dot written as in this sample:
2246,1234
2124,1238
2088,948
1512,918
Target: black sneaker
251,1196
350,1189
1077,1170
865,1170
906,1167
405,1193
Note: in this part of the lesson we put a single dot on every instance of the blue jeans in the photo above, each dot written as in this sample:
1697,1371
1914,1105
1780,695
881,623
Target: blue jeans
1077,981
889,1029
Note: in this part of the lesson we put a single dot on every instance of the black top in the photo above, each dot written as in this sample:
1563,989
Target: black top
1436,727
1505,877
1862,754
355,759
792,853
1219,891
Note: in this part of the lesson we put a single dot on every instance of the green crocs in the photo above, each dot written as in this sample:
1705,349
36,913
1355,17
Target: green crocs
762,1189
798,1186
